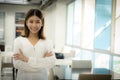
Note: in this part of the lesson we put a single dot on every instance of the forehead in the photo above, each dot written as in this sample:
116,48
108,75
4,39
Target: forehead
34,18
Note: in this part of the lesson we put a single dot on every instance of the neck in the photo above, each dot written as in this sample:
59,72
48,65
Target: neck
33,36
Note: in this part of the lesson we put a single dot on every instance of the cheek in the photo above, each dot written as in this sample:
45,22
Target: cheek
39,27
41,24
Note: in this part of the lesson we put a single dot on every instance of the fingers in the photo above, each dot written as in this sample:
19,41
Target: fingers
20,51
48,54
16,56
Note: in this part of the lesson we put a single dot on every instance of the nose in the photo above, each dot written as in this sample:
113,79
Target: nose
34,24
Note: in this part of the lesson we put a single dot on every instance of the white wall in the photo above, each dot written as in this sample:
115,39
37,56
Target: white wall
60,28
10,20
55,16
50,22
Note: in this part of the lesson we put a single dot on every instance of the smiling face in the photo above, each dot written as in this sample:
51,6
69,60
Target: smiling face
34,24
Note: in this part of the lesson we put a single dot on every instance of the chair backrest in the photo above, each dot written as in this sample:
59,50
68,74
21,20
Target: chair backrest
6,60
51,74
95,77
81,64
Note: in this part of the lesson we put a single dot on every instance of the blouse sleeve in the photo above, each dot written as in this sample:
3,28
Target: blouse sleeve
18,64
34,63
47,62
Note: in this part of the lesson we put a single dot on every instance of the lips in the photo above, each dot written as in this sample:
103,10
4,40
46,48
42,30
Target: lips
34,29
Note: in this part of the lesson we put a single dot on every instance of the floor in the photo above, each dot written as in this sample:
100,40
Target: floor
7,77
6,74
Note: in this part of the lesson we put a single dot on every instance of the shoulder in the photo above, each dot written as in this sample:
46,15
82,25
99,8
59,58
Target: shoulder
19,39
47,42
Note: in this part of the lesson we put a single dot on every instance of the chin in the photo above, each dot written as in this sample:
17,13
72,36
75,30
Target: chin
34,31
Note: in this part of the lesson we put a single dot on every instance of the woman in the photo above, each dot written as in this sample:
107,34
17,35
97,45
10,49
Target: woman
33,53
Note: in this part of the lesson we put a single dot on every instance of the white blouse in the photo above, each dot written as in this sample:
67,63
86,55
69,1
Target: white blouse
37,65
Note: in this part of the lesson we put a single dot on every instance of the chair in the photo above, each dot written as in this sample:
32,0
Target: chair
80,66
7,64
94,77
51,74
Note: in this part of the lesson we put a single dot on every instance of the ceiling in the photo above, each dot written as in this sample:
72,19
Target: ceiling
42,3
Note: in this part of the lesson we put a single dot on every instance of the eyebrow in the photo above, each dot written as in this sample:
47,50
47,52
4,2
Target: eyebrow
35,19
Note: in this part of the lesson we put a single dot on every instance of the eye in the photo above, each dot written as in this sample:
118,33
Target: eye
30,21
37,21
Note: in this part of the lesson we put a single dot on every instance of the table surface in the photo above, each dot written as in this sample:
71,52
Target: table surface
63,62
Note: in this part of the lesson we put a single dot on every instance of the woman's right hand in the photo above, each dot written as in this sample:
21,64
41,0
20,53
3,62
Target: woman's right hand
20,56
48,54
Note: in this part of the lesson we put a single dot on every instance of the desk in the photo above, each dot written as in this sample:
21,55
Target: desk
76,71
65,62
61,65
64,71
82,71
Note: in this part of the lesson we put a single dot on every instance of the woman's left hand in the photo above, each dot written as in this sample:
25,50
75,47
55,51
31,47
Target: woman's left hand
48,54
20,56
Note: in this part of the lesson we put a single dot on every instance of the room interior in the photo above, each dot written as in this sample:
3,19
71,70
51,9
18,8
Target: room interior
81,30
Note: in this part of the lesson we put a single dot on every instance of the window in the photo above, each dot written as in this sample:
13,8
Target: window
98,31
116,59
70,23
117,28
102,29
93,27
93,30
74,23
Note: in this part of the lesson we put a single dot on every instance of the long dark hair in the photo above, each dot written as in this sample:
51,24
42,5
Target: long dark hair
38,13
